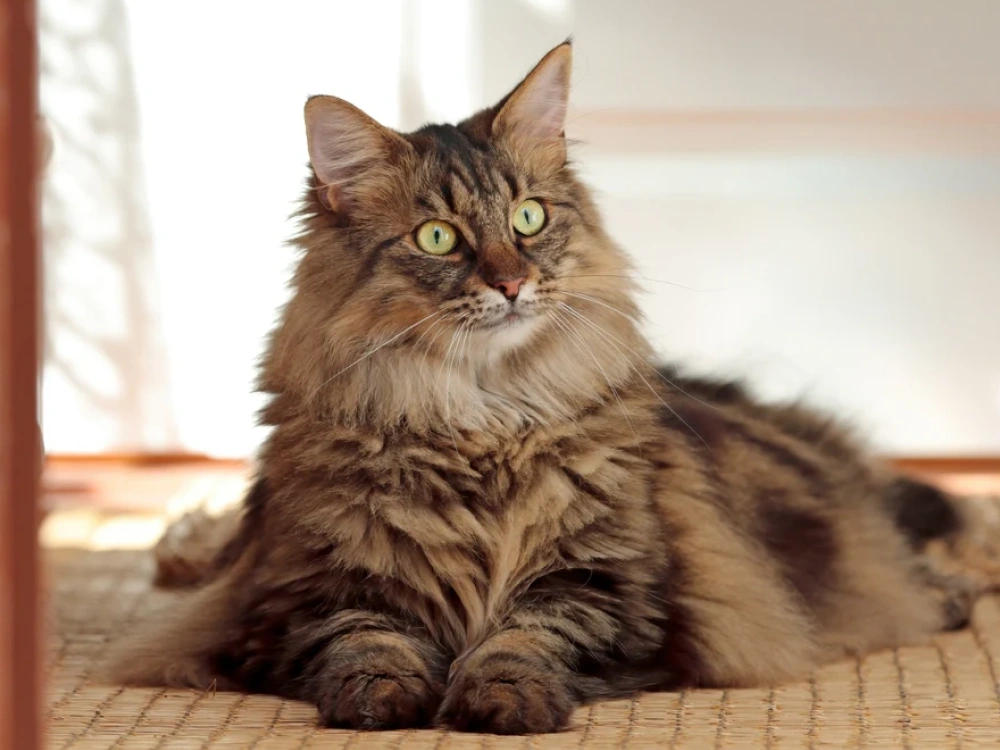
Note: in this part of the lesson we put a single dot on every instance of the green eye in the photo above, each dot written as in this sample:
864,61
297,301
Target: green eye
437,237
529,218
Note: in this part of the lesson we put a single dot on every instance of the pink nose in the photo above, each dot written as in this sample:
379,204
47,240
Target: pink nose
509,287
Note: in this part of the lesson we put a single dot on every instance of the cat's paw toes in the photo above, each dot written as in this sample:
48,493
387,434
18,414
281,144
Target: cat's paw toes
506,698
379,701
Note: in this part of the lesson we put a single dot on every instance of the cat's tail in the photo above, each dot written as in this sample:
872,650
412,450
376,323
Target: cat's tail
177,646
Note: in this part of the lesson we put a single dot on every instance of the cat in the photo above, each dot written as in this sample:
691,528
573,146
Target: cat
480,504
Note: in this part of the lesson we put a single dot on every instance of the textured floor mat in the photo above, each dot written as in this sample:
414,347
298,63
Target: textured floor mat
942,696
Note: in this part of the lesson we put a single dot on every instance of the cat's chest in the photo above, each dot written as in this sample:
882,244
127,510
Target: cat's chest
503,520
503,535
492,532
465,538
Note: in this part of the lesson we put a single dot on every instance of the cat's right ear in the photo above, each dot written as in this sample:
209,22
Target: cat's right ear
345,145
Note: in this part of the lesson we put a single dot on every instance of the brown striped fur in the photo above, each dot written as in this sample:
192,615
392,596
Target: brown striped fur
482,523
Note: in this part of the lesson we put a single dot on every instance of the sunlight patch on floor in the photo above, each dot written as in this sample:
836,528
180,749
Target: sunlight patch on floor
95,531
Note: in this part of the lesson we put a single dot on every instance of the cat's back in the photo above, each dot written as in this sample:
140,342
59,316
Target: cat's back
783,524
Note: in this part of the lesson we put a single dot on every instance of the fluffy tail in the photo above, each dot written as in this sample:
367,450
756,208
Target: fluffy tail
175,647
179,646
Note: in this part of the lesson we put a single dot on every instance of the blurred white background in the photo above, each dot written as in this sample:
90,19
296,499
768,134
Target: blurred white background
824,178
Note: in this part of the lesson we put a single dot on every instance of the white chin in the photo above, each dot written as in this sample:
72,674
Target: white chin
499,341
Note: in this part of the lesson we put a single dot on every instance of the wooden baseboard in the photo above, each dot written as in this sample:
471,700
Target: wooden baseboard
948,464
138,460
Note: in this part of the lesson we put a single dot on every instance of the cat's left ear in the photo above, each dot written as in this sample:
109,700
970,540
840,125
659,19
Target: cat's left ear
533,116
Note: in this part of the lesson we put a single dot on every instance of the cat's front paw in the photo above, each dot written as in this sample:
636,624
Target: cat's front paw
506,694
379,701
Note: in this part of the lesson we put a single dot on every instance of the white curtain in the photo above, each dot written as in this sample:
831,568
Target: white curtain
823,178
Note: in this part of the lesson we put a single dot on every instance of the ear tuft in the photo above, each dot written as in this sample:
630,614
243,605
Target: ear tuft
536,109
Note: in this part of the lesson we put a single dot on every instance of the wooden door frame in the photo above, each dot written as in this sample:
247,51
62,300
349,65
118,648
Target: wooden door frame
20,642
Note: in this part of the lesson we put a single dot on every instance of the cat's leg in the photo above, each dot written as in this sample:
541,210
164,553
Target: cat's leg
573,636
370,671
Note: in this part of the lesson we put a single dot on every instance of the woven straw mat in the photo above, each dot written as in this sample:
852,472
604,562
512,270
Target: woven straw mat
941,696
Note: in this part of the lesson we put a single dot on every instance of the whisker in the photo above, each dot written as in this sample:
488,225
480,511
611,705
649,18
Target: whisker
579,316
447,388
642,359
602,303
447,353
416,342
462,357
640,277
431,342
575,337
365,356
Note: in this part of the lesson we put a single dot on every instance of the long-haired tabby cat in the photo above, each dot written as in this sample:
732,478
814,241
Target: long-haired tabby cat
481,505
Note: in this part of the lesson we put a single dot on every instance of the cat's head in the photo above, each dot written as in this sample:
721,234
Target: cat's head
470,250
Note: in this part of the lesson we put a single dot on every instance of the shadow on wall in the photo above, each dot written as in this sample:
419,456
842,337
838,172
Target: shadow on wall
105,380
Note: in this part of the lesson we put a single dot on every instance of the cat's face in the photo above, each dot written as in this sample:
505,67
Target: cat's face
485,233
466,242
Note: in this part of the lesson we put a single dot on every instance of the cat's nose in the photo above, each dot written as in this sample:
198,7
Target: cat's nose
509,287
